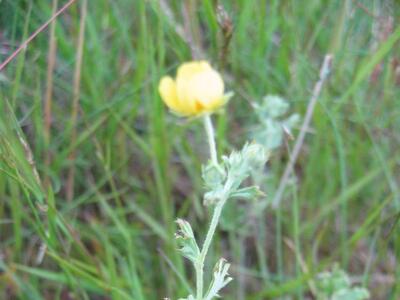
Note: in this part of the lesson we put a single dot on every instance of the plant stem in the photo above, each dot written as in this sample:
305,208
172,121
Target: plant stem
199,265
211,141
207,242
199,280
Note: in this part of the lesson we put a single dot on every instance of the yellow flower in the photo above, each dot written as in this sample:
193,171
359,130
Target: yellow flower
197,89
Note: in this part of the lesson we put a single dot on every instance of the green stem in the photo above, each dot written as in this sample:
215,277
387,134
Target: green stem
207,242
211,139
199,265
199,281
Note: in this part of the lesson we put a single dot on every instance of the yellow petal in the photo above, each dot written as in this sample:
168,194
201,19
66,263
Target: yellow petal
198,89
185,98
185,73
207,87
189,69
167,90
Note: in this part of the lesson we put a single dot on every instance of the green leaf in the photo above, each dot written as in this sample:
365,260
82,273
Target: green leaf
248,193
187,241
351,294
220,280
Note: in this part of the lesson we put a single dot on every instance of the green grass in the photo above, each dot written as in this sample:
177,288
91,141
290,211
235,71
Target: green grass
137,167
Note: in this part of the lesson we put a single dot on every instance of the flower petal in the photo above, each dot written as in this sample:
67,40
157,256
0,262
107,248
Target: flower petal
167,90
198,89
189,69
185,98
208,88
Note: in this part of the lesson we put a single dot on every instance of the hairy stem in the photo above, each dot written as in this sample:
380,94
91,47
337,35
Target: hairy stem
199,265
211,139
207,242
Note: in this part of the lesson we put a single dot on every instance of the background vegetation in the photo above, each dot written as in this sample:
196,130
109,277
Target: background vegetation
94,170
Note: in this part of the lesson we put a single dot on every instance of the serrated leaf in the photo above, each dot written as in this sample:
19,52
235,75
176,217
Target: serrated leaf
271,129
336,285
187,241
247,193
351,294
213,196
213,175
274,106
220,280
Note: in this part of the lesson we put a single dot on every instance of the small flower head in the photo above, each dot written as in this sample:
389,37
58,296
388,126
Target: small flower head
197,89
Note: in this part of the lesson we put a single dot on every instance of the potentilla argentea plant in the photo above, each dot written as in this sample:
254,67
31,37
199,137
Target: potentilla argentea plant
198,91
